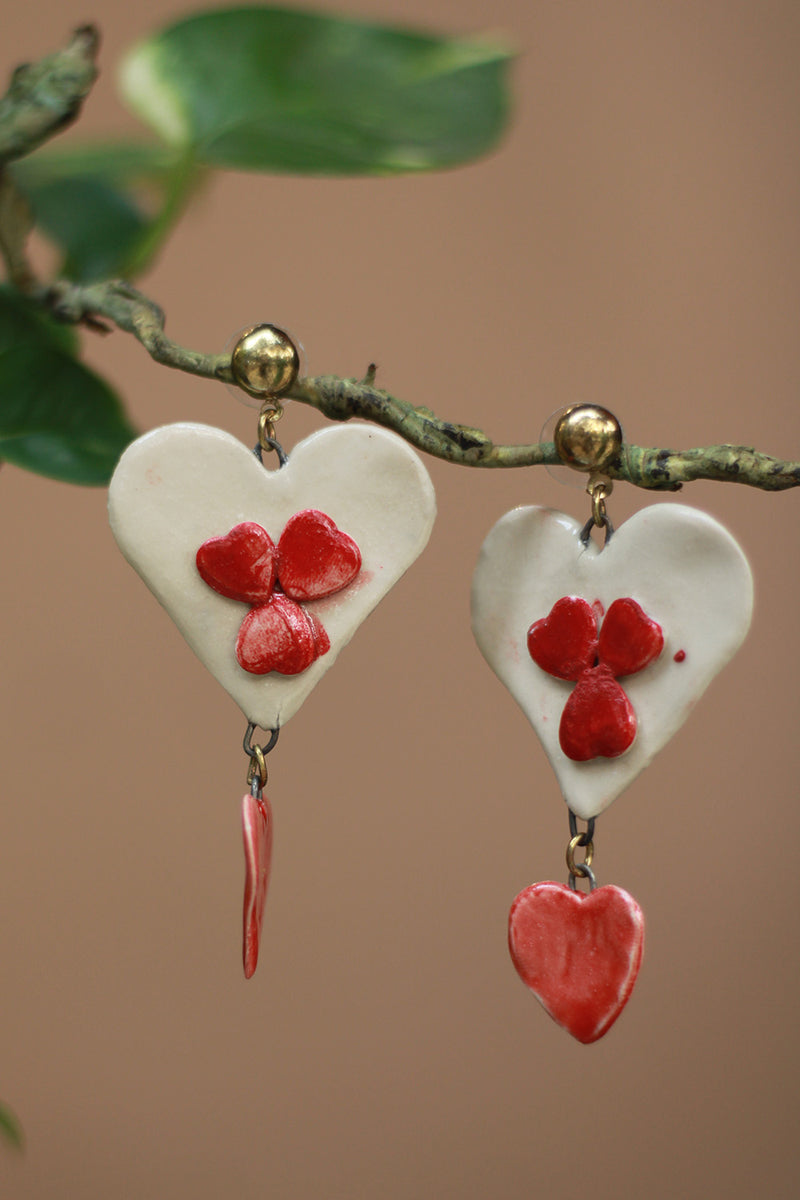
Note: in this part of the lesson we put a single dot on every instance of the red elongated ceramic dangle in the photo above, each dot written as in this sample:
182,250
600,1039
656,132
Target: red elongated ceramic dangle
257,837
257,834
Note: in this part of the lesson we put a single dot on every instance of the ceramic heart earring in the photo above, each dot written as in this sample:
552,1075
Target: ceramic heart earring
268,573
606,651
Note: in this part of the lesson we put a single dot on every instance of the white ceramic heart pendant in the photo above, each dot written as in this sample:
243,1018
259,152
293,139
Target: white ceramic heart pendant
268,573
606,651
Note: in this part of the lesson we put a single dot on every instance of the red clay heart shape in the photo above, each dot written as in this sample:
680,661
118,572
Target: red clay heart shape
629,639
241,564
578,952
598,720
257,834
564,643
279,636
315,558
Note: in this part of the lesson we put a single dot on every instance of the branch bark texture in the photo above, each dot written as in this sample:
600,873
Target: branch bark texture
342,399
45,97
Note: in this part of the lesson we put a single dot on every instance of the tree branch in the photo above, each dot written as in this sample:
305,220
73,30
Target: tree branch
45,97
42,99
341,399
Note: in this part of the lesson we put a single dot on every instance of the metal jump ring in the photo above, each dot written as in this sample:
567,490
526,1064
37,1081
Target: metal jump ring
257,771
271,412
599,493
586,873
578,868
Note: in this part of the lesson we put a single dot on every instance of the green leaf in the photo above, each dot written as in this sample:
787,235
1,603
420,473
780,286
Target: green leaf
280,90
86,202
95,225
57,417
10,1128
110,162
22,320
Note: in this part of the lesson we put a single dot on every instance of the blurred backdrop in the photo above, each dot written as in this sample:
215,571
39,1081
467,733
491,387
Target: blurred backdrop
634,242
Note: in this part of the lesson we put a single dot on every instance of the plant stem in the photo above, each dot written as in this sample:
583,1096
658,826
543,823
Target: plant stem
181,185
45,97
341,399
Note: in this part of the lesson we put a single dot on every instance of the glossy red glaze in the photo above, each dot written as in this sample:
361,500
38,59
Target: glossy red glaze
579,953
564,643
629,639
242,565
278,636
315,559
257,834
598,720
679,656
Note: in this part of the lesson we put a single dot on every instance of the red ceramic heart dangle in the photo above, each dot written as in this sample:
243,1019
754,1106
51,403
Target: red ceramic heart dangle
579,953
257,833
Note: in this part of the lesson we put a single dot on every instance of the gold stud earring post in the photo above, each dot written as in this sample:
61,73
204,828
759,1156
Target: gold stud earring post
265,361
587,438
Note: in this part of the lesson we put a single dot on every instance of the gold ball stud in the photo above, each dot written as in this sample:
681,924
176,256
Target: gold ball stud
265,361
587,437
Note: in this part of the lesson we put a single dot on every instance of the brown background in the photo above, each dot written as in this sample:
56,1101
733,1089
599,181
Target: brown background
634,242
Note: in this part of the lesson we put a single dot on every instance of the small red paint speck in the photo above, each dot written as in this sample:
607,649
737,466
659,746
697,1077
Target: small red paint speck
599,609
680,655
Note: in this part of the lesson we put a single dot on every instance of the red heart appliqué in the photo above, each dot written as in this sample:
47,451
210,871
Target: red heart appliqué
257,833
598,720
564,643
629,640
578,952
315,558
278,636
241,565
